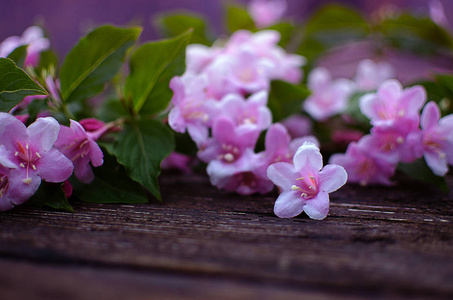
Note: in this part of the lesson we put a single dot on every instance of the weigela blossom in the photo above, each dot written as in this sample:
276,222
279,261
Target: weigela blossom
305,185
246,175
228,141
365,164
329,97
27,156
392,103
252,111
81,148
370,75
437,139
33,37
266,12
280,147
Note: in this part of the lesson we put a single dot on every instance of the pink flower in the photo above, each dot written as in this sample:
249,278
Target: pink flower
33,37
298,125
266,12
364,164
251,112
80,147
190,110
178,161
329,97
240,72
371,75
246,175
399,142
305,184
392,103
279,147
28,156
228,141
437,139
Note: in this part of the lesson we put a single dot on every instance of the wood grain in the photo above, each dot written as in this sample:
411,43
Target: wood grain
377,242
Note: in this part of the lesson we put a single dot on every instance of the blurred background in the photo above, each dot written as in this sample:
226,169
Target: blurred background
67,20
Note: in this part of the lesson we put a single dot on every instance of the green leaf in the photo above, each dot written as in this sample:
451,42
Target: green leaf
419,170
141,147
332,25
50,195
238,18
110,185
18,55
95,60
152,66
419,35
172,25
15,85
285,99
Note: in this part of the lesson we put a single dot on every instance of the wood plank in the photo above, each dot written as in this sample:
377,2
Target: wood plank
376,241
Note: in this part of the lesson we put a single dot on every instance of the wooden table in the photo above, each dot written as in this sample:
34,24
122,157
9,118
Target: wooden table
202,243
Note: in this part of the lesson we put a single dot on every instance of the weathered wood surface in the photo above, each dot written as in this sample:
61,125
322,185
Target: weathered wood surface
207,244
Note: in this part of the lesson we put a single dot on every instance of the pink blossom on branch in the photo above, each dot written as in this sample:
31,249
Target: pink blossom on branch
392,103
370,75
329,97
81,148
28,156
266,12
437,139
305,185
365,164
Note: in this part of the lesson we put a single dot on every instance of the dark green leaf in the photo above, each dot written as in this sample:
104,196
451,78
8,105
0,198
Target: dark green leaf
111,110
111,185
50,195
238,18
141,147
152,66
18,55
419,170
172,25
285,99
95,60
15,85
420,35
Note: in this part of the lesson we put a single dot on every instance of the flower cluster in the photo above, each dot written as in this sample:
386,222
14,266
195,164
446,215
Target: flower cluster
331,96
45,150
221,100
396,135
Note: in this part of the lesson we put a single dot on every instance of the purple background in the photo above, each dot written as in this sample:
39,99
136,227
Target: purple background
67,20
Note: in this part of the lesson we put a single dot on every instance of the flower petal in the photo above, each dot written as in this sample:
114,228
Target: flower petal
331,178
20,190
308,157
318,207
436,162
282,174
288,205
53,166
96,154
43,133
430,116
